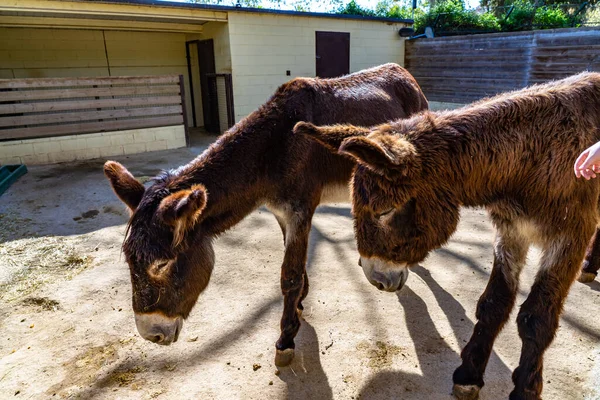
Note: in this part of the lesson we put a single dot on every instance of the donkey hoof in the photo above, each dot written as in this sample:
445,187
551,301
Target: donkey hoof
283,358
586,277
466,392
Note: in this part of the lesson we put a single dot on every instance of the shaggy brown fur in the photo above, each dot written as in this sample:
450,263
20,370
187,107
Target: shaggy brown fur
512,154
258,161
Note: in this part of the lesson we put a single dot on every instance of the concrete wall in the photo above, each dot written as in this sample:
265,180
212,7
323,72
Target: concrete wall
264,46
88,146
42,53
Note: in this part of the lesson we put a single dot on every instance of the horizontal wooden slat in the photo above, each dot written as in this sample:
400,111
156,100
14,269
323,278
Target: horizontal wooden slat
22,95
468,82
89,127
474,61
412,51
589,50
495,64
576,42
100,81
443,73
87,116
451,53
86,104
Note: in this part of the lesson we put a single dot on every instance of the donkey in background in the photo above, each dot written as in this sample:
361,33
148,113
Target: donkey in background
512,154
259,161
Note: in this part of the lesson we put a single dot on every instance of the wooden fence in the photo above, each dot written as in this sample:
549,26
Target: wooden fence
461,69
35,108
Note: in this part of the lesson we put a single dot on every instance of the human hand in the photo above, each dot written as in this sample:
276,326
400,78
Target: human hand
588,162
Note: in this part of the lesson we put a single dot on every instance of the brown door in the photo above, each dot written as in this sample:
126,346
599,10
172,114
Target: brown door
333,54
208,87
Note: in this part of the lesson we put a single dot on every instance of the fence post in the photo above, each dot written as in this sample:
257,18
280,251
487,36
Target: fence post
184,110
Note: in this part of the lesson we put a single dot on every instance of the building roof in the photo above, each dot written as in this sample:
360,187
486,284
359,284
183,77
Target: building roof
211,7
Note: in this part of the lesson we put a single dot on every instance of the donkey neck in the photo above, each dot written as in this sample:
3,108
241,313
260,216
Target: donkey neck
235,169
480,154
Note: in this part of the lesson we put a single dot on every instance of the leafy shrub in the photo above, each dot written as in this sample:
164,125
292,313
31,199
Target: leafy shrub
449,17
521,17
354,9
454,18
551,17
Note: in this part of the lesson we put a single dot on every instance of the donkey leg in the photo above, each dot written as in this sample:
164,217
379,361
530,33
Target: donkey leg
293,273
282,224
304,294
591,263
493,309
538,318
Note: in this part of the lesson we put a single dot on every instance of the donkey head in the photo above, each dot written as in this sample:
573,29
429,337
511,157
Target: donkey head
170,263
400,211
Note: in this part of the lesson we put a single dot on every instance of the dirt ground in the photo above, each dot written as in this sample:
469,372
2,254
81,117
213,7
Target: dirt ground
68,329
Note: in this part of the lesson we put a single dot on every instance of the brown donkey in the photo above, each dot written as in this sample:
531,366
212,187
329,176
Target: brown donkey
512,154
258,161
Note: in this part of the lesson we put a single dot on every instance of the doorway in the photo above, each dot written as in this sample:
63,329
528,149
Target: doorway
205,62
332,54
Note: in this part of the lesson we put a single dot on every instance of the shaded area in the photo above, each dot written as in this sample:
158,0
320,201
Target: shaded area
76,198
586,330
305,377
108,378
353,274
437,360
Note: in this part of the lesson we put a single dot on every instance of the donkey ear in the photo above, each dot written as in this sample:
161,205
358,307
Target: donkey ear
125,186
182,209
330,136
383,153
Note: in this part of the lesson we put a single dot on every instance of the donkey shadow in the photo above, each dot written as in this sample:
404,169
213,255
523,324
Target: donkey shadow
437,360
594,285
305,378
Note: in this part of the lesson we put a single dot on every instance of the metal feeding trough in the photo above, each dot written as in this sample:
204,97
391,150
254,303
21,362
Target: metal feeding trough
9,174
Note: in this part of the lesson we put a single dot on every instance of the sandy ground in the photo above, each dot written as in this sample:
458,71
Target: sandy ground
68,330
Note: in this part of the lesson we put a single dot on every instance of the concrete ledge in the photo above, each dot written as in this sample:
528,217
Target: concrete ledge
93,145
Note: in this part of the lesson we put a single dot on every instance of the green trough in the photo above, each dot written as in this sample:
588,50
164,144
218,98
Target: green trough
9,174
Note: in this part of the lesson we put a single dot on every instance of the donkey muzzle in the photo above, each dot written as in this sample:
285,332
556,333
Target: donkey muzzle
384,275
158,328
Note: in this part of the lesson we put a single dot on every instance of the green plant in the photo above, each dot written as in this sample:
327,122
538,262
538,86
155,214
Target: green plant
451,16
394,9
352,8
551,17
520,18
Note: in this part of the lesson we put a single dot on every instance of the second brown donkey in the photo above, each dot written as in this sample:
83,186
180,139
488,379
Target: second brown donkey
258,161
512,154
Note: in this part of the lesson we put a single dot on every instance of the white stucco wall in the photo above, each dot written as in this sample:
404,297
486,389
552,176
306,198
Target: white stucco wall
264,46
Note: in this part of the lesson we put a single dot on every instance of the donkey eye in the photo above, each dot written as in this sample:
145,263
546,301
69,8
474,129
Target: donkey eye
161,264
383,214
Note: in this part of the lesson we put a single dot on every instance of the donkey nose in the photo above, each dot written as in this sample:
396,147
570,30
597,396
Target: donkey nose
382,281
158,328
158,338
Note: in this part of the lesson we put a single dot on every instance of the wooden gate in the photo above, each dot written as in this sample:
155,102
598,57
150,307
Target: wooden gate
37,108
